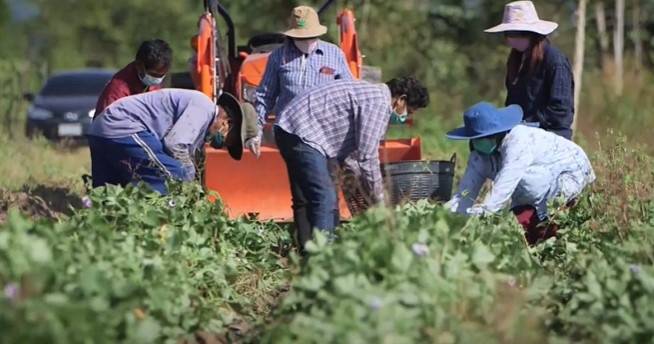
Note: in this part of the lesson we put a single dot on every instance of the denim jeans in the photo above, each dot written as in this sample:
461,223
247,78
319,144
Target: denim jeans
315,201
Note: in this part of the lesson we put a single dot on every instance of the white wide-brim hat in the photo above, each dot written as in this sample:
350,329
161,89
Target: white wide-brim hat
522,16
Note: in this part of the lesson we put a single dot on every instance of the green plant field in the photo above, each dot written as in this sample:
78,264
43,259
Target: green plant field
125,266
139,268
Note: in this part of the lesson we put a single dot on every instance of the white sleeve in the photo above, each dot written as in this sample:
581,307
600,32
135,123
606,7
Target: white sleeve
516,158
477,171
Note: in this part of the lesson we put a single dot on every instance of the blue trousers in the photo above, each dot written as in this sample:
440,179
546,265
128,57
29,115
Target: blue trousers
315,202
132,159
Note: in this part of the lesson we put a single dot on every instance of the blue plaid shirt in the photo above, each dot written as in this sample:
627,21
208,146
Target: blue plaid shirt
289,72
344,120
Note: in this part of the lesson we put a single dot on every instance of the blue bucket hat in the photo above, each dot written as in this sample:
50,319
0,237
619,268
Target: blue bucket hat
484,119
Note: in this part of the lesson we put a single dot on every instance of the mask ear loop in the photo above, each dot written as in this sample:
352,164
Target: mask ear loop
406,103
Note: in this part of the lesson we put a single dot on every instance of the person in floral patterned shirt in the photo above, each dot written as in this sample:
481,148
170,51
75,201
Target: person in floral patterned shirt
528,167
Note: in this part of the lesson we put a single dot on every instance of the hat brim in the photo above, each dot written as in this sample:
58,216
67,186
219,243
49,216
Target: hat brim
234,138
512,115
306,33
542,27
464,134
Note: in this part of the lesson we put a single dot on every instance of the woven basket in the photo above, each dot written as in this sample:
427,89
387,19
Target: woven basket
405,181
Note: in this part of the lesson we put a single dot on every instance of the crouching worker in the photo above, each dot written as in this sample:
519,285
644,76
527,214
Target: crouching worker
528,167
153,137
339,120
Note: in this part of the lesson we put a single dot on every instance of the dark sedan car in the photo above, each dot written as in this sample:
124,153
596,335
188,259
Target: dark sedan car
65,106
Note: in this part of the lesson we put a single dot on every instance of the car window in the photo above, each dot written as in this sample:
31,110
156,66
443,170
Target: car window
75,85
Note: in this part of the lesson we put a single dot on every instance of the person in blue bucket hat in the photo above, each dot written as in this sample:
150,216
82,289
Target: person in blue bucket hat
528,167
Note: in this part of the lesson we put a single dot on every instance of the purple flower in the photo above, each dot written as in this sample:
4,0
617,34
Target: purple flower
375,303
86,202
634,268
420,250
11,291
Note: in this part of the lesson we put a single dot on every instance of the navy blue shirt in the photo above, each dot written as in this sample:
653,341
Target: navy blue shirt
546,95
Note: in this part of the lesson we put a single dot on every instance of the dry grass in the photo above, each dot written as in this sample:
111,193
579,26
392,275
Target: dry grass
26,163
601,110
40,178
625,180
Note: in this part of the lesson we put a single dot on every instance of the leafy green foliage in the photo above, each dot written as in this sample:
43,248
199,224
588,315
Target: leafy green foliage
137,267
419,274
428,276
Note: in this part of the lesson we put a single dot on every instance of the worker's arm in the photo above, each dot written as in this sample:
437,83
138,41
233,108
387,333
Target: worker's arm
477,171
367,171
557,111
268,90
516,158
371,123
181,141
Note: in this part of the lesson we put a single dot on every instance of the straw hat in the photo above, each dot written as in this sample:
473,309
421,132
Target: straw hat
522,16
305,24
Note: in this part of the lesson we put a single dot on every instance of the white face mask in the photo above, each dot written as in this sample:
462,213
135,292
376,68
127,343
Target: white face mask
306,46
149,80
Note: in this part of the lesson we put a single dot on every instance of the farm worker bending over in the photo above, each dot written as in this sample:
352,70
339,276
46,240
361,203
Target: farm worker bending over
154,136
302,63
528,166
145,73
339,120
538,76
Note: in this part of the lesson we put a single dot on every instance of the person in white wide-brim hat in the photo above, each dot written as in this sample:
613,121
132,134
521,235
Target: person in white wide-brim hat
539,76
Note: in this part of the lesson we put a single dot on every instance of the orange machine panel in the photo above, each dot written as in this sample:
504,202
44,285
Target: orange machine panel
349,42
253,68
206,56
261,187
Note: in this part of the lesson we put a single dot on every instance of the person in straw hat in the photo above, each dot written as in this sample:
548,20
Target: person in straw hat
528,166
539,77
301,63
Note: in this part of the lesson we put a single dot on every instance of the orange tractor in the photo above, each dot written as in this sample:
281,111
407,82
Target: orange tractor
260,187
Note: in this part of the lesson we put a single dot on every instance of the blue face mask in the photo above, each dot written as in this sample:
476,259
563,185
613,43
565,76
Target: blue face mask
485,146
217,141
399,118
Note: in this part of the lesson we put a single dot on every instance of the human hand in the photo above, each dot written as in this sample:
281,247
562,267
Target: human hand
254,145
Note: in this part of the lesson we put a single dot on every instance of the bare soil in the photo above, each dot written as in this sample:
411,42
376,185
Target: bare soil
39,202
